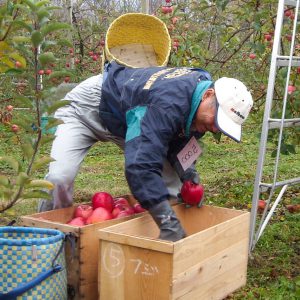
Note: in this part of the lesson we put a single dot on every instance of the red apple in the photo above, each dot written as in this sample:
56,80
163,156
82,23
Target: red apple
100,214
288,37
48,71
116,211
67,65
83,211
95,57
268,37
252,55
165,9
18,64
71,50
78,221
291,89
103,199
67,79
192,193
9,107
102,43
138,208
15,128
287,13
174,20
77,61
261,205
123,213
121,202
41,72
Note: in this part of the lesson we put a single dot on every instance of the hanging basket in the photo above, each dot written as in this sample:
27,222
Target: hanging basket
137,40
32,264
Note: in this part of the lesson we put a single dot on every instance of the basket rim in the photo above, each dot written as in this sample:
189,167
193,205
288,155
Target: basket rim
107,52
54,236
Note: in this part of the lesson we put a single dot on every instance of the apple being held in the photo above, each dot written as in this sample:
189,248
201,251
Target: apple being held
84,211
77,221
192,194
99,214
103,199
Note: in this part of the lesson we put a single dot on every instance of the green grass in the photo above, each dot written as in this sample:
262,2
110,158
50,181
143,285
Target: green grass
227,169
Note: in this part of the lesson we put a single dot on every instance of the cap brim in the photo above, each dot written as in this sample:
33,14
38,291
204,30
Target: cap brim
227,126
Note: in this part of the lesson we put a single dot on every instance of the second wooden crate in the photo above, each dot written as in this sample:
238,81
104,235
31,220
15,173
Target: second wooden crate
210,263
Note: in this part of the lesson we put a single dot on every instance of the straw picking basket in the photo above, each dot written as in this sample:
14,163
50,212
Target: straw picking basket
137,40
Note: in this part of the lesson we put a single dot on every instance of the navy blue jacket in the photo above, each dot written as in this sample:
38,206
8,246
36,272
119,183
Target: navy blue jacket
152,109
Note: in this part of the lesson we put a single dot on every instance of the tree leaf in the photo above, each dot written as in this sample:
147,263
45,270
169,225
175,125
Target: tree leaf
24,101
23,25
22,178
53,123
40,183
56,105
12,162
38,164
54,26
36,38
27,150
21,39
47,139
42,3
4,181
58,74
43,15
13,71
46,58
64,42
30,4
36,194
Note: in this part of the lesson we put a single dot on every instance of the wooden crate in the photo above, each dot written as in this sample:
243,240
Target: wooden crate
210,263
82,256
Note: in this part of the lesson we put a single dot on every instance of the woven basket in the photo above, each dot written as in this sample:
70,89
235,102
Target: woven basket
137,40
32,264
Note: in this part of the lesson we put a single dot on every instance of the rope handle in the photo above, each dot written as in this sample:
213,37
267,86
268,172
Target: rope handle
12,295
24,287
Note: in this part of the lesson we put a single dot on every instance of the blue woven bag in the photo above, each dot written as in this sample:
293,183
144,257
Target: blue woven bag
32,264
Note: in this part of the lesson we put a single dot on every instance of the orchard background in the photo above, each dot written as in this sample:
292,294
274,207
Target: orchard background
44,44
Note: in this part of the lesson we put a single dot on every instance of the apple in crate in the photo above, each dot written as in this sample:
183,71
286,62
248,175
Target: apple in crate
121,202
99,214
138,208
103,199
83,211
77,221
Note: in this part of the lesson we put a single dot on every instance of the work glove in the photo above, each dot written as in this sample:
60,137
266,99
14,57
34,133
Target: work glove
191,175
167,221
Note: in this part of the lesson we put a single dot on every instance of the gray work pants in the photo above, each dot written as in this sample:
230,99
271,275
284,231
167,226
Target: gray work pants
79,132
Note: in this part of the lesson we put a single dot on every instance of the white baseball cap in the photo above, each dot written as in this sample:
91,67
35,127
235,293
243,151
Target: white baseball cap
234,103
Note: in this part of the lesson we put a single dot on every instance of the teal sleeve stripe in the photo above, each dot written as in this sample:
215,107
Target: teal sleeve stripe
196,99
133,121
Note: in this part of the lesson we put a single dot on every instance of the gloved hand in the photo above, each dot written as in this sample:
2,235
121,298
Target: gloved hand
191,175
167,221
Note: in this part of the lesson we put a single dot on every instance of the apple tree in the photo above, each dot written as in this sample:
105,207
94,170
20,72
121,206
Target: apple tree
29,73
